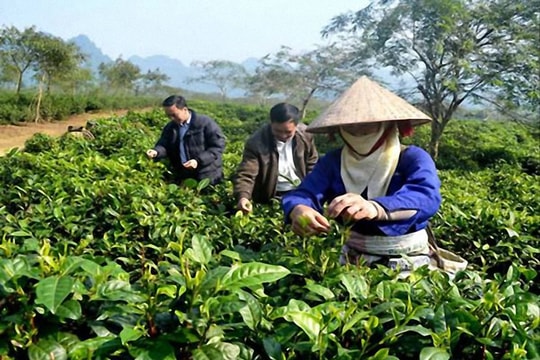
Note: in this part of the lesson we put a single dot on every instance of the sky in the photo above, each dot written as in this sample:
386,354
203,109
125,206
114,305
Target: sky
186,30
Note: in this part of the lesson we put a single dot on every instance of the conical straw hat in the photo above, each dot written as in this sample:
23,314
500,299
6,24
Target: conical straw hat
364,102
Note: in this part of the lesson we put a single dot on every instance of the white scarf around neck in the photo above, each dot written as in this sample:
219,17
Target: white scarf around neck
373,171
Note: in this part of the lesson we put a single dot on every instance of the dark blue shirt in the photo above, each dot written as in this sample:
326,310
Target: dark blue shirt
182,129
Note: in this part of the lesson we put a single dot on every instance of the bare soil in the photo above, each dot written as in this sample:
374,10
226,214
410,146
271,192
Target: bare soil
15,135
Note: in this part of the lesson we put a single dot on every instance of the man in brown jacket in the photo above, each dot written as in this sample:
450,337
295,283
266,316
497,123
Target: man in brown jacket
275,160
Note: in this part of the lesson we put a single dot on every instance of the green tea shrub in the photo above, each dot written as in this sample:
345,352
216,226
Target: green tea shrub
39,143
474,145
53,108
13,108
490,217
57,106
12,113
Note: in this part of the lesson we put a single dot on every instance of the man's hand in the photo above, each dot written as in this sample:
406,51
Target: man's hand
352,207
307,221
191,164
151,153
244,205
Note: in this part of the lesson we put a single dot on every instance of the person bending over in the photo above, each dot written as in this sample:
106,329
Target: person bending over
194,143
275,158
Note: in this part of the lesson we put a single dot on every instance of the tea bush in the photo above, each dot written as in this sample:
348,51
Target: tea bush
20,108
474,145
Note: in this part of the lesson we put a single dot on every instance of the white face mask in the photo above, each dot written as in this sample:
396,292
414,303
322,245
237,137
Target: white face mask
363,167
362,144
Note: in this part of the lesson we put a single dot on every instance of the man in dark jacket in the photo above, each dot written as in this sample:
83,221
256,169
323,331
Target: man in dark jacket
194,143
275,160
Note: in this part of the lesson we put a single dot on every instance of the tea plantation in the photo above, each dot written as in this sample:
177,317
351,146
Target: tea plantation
101,257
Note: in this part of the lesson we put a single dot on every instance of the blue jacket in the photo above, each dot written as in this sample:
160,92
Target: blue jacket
204,141
415,185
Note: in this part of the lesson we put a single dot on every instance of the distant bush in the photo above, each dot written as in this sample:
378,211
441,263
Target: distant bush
12,113
14,109
58,106
475,145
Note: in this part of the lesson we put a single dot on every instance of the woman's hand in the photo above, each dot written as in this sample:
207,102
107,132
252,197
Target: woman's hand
352,207
307,221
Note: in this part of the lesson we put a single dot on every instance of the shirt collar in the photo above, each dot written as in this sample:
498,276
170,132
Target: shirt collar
283,143
187,122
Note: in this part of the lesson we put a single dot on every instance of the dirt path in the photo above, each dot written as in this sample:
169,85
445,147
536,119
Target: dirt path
15,135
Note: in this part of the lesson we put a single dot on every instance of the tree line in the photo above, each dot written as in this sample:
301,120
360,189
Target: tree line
53,62
453,50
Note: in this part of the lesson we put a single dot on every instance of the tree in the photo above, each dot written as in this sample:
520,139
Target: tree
80,79
18,52
326,70
519,85
153,80
47,56
454,49
224,74
54,59
8,73
267,81
120,75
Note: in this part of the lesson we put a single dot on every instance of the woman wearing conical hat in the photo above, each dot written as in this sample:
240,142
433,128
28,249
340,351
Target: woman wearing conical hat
387,191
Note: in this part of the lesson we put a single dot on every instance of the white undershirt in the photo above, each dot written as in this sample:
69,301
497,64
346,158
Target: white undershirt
286,168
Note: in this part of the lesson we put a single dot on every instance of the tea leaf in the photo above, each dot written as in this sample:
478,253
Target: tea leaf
350,324
308,322
70,309
272,348
52,291
324,292
202,250
383,354
355,285
217,351
47,350
431,353
161,350
253,273
130,334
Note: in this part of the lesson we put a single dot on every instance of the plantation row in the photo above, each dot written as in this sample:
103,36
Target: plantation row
102,258
16,108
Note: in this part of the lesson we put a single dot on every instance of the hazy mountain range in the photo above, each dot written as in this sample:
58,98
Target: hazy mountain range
177,71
